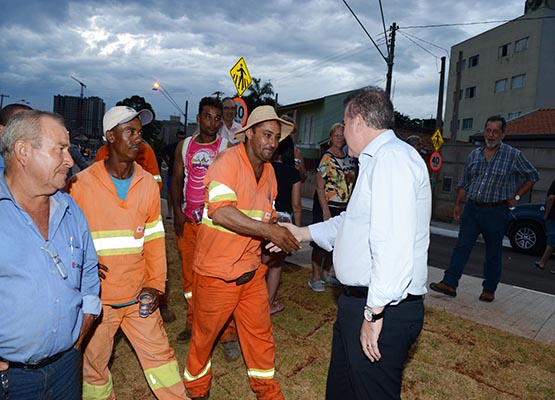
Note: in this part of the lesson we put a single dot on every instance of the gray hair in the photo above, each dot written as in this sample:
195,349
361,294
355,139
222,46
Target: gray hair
25,125
373,105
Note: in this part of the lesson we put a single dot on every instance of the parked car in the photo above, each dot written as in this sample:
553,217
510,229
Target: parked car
526,230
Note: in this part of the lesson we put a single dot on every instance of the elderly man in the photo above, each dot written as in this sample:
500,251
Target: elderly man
122,203
494,177
5,114
228,278
380,254
229,125
48,265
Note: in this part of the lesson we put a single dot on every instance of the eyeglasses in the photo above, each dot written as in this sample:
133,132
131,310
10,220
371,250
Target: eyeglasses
53,254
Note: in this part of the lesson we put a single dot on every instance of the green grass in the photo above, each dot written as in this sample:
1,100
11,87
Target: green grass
453,358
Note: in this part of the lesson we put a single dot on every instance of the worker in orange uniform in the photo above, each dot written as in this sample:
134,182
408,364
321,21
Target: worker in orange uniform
193,156
121,202
146,159
228,277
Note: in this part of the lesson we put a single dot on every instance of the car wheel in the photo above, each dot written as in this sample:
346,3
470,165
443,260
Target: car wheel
527,237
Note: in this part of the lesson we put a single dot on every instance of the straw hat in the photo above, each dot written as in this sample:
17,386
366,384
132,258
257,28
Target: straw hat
263,114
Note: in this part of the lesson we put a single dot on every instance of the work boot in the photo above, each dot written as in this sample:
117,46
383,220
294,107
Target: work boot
167,314
231,350
185,335
444,288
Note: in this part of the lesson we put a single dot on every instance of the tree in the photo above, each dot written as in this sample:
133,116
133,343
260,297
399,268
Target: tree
259,94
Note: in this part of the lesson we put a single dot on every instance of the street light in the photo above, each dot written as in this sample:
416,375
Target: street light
158,87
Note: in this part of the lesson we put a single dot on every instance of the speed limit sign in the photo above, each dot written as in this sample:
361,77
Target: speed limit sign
435,161
241,111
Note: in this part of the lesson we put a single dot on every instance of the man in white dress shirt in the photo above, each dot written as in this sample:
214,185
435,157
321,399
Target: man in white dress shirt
229,125
380,254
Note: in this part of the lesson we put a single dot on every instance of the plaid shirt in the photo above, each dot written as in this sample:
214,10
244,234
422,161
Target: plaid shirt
497,179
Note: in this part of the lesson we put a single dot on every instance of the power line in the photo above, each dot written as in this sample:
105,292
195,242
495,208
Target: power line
476,23
417,44
427,42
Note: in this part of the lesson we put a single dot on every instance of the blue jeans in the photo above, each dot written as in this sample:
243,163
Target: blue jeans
59,380
491,222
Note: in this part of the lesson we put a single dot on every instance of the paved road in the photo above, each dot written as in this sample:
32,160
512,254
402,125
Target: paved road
518,269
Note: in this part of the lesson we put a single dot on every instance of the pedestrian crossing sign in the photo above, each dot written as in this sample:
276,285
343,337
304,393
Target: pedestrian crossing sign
437,139
240,76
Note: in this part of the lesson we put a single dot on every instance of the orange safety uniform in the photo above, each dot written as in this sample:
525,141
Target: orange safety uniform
128,237
222,256
146,158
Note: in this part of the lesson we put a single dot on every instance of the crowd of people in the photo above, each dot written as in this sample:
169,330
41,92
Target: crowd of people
84,255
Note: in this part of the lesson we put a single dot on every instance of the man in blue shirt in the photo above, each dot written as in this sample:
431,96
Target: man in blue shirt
48,266
490,182
5,114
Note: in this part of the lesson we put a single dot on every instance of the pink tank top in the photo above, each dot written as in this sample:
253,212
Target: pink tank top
197,157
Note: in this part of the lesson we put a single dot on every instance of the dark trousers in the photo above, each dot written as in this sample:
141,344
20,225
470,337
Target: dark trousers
491,222
351,375
56,381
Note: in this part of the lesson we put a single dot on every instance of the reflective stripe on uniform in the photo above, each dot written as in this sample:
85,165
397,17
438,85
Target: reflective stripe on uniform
163,376
261,373
254,214
157,178
189,378
154,230
188,295
108,243
219,192
97,392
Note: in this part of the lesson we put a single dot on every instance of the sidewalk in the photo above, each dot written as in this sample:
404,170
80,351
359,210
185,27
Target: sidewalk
516,310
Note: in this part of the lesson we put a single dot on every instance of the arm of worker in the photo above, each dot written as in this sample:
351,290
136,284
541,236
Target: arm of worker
154,246
176,191
231,218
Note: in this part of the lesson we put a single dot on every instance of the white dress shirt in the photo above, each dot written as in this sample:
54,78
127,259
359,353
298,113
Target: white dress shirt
381,241
229,134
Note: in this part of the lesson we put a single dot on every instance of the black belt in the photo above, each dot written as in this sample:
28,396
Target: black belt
362,293
245,278
42,363
488,204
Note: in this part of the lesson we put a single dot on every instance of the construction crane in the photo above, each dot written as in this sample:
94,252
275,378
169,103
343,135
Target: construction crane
79,82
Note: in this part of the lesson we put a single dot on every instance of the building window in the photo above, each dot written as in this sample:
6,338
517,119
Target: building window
467,124
521,45
473,61
517,81
470,92
500,85
513,115
308,134
503,51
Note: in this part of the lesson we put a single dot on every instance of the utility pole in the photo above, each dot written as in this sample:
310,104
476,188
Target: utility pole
439,115
390,56
186,111
2,99
456,99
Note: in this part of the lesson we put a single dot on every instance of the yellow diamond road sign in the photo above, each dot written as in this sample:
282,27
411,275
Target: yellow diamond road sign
241,77
437,139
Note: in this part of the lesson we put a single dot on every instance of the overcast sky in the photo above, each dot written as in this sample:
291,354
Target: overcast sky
306,48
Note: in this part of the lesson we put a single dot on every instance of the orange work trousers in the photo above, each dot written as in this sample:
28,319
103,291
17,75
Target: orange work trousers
186,246
214,302
150,342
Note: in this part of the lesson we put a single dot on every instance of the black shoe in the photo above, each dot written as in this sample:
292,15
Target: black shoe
184,336
167,314
444,288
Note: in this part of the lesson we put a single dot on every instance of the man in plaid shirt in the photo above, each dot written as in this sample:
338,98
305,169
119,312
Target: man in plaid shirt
489,182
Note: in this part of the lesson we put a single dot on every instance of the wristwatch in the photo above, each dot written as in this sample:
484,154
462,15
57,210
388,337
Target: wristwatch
517,197
370,316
